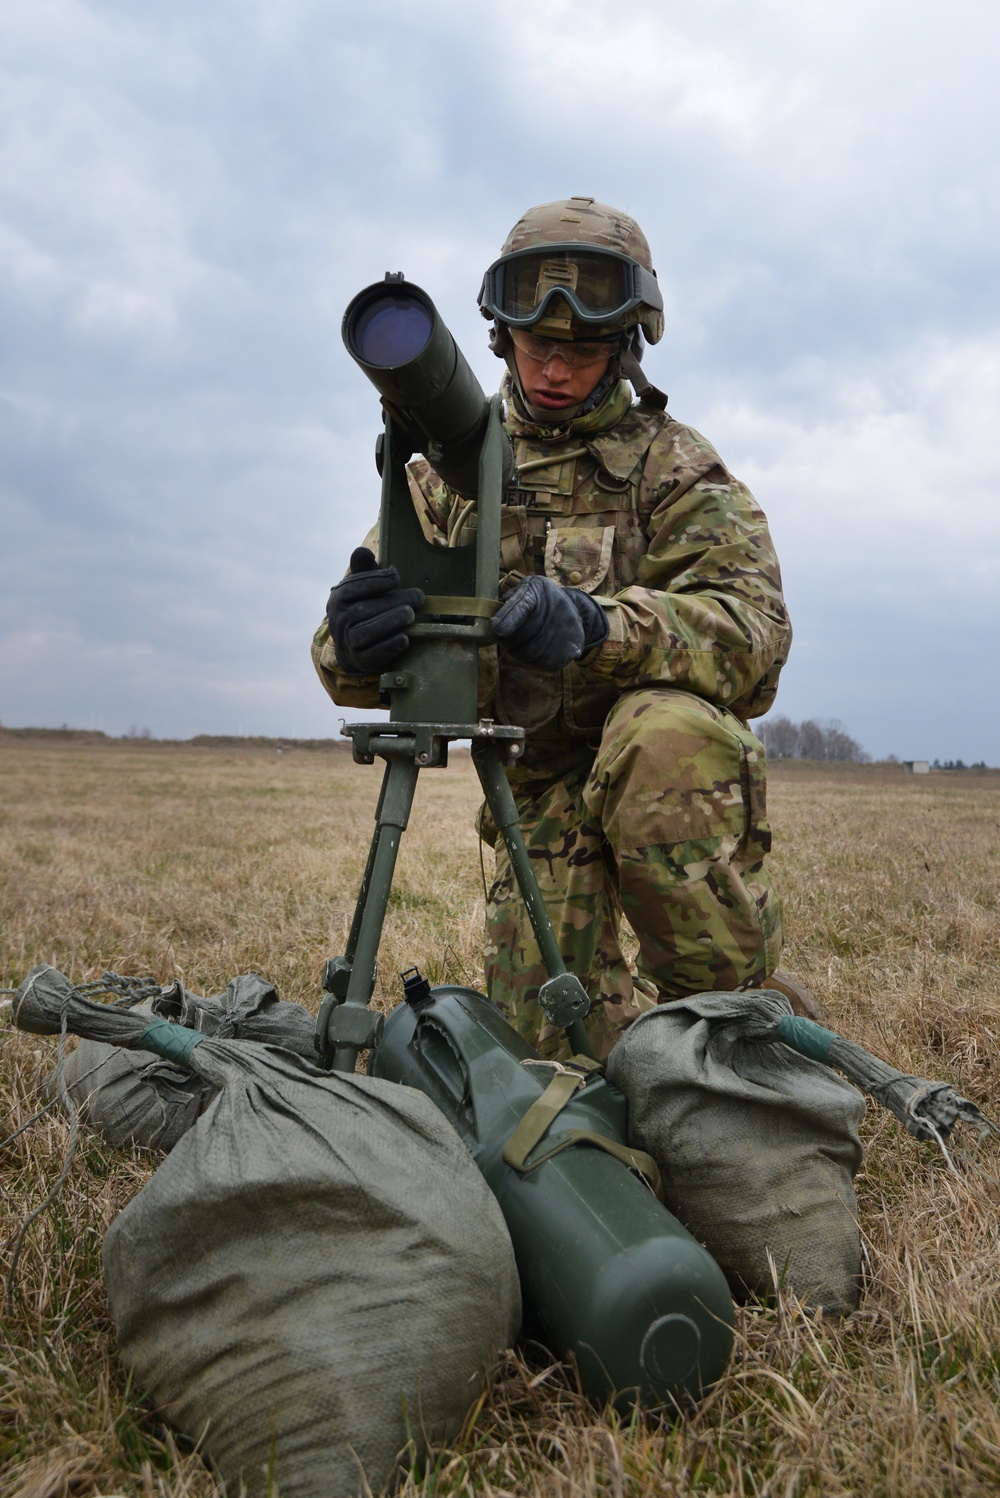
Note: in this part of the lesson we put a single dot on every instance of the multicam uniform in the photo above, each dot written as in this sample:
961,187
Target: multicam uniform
641,789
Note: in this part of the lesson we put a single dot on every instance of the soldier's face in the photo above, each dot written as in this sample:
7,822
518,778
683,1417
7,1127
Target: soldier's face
555,375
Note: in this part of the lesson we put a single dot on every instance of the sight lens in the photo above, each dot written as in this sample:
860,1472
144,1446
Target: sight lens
391,330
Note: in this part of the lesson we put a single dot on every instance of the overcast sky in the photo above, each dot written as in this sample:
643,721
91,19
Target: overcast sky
191,192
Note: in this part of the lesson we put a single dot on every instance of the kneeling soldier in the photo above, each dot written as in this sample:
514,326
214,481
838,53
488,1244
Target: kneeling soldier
642,625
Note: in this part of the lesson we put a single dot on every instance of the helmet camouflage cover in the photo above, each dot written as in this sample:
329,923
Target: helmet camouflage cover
574,268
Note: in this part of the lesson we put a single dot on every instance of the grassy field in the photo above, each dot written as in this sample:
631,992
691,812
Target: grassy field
202,863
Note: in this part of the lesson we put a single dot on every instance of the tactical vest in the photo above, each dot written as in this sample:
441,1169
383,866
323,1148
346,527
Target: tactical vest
577,514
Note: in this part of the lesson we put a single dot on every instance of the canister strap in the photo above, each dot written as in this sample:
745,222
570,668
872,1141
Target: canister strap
472,608
543,1113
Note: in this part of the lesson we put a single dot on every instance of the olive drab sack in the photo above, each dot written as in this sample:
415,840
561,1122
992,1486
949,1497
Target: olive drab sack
757,1145
314,1277
135,1099
132,1098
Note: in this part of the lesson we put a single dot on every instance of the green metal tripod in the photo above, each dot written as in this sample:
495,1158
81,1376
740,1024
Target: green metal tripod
433,701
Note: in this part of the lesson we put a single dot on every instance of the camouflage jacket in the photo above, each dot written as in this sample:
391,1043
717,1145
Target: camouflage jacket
641,513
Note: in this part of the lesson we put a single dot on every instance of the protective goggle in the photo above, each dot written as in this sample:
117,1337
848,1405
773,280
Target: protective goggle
600,286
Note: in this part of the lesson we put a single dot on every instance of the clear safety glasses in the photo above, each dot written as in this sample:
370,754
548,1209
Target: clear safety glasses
576,354
601,286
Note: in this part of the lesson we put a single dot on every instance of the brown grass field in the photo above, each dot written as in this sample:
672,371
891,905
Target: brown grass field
204,862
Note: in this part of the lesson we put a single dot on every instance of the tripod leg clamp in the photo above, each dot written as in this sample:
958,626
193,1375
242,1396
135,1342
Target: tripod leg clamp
563,999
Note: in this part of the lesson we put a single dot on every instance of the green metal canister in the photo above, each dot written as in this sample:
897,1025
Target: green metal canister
608,1275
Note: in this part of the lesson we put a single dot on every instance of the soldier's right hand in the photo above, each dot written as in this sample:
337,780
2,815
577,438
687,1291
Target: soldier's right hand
369,614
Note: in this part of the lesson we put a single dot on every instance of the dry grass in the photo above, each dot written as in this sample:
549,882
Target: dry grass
203,863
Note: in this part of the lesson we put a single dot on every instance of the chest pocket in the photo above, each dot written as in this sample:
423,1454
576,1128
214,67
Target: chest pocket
579,556
580,522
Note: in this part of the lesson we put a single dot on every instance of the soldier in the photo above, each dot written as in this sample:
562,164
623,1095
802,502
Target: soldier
641,626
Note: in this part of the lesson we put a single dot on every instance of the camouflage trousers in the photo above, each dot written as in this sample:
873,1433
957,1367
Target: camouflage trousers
665,830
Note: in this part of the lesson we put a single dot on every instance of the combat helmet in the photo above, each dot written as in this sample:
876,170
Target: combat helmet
577,269
574,268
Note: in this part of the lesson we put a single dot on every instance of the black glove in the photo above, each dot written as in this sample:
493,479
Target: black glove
544,625
368,614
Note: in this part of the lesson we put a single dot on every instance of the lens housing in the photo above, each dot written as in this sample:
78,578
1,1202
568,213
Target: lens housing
394,332
390,330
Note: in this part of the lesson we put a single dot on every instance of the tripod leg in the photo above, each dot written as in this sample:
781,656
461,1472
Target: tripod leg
563,998
345,1027
337,971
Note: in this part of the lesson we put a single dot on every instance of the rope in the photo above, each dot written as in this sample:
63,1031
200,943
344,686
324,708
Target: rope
129,991
965,1112
932,1127
23,1129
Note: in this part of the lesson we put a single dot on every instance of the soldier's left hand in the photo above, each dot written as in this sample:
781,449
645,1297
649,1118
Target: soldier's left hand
543,625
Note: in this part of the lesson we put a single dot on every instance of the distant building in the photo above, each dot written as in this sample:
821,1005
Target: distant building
917,766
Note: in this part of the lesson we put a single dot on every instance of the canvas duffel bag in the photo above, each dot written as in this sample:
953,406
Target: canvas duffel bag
757,1145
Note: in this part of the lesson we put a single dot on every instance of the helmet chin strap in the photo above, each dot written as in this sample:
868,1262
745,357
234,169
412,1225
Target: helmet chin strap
648,393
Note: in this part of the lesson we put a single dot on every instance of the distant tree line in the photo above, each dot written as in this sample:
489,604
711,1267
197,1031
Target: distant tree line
958,764
784,739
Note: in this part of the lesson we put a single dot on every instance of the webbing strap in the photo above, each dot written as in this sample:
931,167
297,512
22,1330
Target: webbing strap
540,1116
649,394
543,1113
472,608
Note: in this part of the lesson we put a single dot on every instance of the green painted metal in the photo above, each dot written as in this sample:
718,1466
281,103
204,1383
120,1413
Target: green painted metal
395,334
433,401
346,1025
436,679
563,999
608,1275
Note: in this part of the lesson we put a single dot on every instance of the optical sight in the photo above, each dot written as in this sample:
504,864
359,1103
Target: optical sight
394,332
